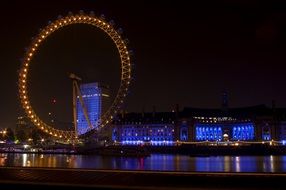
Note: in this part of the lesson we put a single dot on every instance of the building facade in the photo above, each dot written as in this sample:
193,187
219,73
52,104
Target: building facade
146,128
192,125
95,98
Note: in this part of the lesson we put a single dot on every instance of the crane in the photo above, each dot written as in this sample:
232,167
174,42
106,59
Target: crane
77,93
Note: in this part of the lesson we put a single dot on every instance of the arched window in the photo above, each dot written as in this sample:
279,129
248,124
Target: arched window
266,134
115,135
184,134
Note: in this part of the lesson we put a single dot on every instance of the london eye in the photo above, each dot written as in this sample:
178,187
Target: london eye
35,46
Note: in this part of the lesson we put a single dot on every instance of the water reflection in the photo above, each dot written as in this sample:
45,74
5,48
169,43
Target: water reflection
165,162
237,163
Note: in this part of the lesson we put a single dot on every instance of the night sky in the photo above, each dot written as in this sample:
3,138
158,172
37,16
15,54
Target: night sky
184,53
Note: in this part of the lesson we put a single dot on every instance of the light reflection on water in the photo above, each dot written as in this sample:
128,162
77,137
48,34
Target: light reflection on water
163,162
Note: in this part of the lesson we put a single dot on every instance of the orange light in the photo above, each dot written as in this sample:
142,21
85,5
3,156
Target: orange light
80,18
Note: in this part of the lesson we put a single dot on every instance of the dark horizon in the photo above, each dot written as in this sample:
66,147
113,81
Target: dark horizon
185,53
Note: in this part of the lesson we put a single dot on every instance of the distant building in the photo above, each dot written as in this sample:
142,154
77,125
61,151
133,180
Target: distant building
23,129
248,124
23,123
233,124
148,128
96,99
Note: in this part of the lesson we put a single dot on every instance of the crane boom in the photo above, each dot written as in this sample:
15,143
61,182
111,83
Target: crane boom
77,94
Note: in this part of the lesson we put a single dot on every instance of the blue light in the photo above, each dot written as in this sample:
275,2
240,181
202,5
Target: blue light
91,94
211,132
184,134
115,135
157,135
266,135
243,131
155,143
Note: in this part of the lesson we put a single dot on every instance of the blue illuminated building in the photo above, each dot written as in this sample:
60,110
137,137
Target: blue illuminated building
248,124
152,133
148,128
217,129
94,97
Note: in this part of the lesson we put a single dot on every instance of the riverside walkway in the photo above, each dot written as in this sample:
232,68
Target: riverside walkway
20,177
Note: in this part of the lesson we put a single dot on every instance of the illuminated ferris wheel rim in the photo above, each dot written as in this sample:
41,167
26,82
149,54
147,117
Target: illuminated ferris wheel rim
126,69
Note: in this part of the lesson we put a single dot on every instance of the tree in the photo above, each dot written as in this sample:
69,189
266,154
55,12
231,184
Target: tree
10,136
21,135
36,136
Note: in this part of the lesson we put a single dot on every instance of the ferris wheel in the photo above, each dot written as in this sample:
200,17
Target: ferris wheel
126,70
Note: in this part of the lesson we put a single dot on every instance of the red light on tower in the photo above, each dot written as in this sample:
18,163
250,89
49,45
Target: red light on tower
54,101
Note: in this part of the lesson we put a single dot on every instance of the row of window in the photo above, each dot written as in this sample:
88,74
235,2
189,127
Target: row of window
209,133
146,139
162,133
154,132
243,133
153,143
215,133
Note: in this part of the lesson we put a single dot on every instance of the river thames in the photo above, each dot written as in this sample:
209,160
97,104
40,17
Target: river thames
155,162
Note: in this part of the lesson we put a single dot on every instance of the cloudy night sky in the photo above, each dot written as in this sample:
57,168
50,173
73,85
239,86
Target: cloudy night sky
184,53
